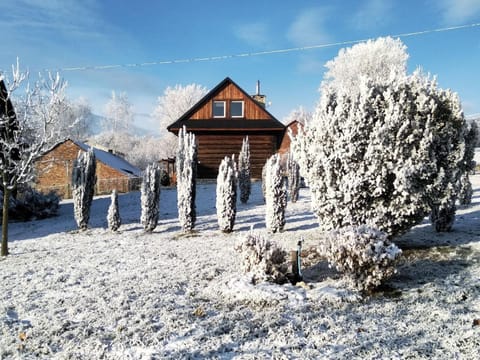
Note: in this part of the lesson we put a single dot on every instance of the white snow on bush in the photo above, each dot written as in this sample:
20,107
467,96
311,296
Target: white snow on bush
364,254
226,203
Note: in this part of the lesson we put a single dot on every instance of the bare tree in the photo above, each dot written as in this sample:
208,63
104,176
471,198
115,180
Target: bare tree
118,119
25,135
175,102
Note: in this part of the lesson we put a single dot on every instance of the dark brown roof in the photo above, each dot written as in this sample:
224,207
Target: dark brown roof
224,124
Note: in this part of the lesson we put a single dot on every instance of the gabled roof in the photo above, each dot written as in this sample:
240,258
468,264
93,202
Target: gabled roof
269,123
107,158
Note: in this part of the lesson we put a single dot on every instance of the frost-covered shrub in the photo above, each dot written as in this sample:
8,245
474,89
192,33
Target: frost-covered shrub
293,170
363,254
275,195
264,181
465,190
465,185
113,215
31,204
263,259
377,154
150,197
83,186
443,217
244,179
186,166
226,201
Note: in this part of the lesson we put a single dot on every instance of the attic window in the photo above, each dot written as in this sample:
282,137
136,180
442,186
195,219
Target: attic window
236,109
219,109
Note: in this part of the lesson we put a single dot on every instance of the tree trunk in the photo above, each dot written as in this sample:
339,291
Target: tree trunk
6,199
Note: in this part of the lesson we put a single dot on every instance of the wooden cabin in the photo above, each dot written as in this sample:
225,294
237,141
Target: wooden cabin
220,121
54,170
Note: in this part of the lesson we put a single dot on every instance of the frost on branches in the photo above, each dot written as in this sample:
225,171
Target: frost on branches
186,166
150,197
263,259
83,186
113,215
363,254
293,170
381,153
25,133
244,180
275,195
226,201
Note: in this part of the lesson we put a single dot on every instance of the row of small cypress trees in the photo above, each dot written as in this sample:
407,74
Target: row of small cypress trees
229,179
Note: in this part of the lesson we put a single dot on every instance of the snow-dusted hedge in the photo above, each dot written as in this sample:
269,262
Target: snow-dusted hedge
186,166
226,199
363,254
31,204
150,197
275,195
244,179
263,259
83,186
113,216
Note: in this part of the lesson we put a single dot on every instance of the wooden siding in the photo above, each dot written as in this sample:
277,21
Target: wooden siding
212,148
252,110
54,172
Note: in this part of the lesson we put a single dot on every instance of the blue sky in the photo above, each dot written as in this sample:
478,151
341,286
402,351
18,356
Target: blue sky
52,34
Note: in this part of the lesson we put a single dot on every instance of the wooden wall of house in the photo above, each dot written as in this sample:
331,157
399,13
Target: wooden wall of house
252,110
212,149
54,172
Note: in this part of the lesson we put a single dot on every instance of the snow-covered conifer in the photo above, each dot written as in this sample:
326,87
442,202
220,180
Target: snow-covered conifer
113,217
186,166
373,154
264,181
226,202
449,148
263,259
83,186
465,186
363,254
275,195
150,197
244,180
293,170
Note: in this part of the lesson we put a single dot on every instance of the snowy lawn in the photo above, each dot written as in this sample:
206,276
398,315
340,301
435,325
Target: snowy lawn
97,294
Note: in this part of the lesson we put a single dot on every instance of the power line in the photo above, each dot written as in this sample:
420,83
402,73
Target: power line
258,53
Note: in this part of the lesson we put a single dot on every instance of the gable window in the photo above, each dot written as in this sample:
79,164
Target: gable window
236,109
219,109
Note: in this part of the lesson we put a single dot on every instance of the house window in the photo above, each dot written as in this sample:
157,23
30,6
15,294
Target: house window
236,109
219,109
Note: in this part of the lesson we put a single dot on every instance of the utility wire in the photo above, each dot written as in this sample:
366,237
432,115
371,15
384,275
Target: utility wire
258,53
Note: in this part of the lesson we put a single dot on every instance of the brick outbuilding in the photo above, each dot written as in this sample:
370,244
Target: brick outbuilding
54,170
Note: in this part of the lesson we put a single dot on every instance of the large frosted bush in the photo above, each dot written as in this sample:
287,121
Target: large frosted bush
83,186
263,259
186,166
363,254
150,197
275,195
465,185
226,199
377,154
244,179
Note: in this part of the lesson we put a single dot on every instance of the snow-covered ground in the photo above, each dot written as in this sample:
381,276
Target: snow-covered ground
97,294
